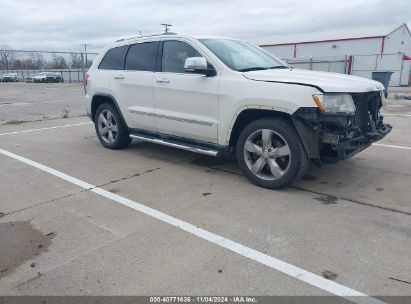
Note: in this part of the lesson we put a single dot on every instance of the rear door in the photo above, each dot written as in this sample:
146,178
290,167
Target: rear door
101,78
186,104
133,85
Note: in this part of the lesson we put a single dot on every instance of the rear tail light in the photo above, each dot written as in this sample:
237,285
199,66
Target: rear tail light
85,79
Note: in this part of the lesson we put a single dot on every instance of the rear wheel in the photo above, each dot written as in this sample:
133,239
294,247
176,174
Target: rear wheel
110,128
270,153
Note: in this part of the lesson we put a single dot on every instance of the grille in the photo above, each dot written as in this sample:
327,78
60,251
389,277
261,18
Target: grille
367,110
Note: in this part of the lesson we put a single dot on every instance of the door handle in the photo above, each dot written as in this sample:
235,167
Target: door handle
163,80
119,77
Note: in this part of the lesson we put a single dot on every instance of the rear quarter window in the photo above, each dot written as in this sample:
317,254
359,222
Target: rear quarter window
114,59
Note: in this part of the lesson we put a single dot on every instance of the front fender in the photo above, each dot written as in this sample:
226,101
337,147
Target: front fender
240,94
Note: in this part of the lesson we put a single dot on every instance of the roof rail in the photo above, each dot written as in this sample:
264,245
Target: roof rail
143,36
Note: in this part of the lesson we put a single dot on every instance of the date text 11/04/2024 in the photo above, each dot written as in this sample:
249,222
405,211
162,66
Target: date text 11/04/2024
203,299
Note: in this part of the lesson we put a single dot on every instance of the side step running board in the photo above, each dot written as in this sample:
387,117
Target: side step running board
179,145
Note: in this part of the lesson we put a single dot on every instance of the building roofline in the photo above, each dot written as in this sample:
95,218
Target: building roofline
406,26
327,40
340,39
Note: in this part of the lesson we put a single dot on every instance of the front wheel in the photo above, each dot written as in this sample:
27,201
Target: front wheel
110,129
270,153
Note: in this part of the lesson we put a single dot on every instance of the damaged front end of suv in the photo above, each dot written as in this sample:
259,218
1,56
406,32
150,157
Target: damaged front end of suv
342,125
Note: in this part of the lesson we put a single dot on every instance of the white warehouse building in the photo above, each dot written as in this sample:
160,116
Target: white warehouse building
357,51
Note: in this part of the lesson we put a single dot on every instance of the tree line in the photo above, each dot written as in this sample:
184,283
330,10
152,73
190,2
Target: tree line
15,60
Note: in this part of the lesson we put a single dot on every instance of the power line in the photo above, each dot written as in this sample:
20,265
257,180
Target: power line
46,52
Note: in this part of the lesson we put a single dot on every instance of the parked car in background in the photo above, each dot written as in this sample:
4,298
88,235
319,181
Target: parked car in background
41,77
58,78
46,77
10,77
29,79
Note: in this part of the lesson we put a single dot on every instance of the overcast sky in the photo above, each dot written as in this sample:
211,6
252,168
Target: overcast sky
64,25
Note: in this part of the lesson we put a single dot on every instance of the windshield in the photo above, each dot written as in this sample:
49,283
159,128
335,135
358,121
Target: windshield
242,56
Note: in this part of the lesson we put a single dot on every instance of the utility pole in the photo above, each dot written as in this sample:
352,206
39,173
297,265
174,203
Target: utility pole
85,51
166,27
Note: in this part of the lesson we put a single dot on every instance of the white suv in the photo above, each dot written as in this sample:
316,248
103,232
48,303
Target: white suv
219,96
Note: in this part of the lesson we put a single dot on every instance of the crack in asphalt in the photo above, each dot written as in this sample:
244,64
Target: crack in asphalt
352,200
398,280
43,203
317,192
85,190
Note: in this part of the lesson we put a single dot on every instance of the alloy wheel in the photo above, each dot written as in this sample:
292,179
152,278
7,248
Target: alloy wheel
107,126
267,154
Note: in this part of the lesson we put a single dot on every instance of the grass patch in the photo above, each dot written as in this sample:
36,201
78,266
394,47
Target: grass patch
14,122
65,113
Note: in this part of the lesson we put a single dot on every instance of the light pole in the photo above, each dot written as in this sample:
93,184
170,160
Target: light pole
85,52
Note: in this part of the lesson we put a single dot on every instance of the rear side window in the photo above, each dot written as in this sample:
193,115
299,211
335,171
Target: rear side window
175,54
142,57
114,59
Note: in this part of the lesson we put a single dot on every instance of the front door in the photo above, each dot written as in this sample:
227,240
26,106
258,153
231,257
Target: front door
186,104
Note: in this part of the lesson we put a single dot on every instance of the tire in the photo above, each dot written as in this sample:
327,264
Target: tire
108,121
270,153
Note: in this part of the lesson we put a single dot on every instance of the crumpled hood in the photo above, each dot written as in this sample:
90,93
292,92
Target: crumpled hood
327,82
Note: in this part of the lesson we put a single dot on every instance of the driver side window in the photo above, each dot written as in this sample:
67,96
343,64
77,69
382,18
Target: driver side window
175,54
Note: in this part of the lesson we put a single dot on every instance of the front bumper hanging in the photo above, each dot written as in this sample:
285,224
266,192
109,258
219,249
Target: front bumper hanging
329,138
349,147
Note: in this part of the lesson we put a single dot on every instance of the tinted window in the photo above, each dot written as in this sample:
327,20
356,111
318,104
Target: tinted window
142,57
114,59
175,54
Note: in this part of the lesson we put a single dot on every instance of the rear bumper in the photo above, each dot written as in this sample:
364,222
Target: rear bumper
349,147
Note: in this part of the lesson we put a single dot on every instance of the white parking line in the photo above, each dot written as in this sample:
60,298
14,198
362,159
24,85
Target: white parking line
48,128
279,265
392,146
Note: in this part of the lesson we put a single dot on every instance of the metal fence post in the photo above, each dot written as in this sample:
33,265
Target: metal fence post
402,66
83,70
350,64
345,63
376,62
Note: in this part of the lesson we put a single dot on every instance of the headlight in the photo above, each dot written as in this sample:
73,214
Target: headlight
335,103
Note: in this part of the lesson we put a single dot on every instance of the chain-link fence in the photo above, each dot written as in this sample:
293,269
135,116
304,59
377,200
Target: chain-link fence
336,64
358,65
26,64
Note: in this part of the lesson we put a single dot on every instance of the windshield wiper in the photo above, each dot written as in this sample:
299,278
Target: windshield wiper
263,68
278,67
252,69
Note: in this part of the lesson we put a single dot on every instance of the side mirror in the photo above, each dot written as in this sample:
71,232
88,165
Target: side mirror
198,65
